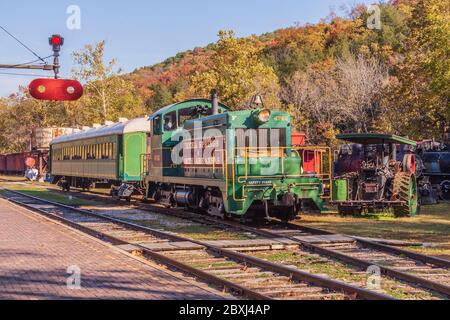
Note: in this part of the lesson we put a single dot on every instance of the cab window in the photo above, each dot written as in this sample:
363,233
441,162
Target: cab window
170,121
184,115
157,125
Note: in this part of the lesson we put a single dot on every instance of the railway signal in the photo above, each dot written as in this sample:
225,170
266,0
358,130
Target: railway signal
56,89
56,41
51,89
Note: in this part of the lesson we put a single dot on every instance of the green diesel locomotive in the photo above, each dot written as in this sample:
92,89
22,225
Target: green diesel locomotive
226,163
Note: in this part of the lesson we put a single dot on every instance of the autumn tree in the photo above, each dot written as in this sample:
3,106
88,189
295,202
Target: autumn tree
418,102
108,96
237,72
20,115
335,96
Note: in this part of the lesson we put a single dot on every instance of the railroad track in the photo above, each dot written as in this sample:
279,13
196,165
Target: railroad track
411,268
427,272
241,274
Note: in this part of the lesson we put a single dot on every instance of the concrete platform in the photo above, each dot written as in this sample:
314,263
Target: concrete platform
35,255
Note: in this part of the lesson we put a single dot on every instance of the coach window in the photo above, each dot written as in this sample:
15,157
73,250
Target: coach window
104,155
109,146
113,153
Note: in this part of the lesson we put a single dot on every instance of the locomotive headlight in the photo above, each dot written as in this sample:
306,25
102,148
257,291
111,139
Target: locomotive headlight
264,115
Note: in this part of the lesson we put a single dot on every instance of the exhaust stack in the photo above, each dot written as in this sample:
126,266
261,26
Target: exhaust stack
214,102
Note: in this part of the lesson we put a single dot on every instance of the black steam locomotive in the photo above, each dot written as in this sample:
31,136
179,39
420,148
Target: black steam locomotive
435,158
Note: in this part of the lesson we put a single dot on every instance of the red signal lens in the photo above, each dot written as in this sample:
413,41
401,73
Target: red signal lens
56,40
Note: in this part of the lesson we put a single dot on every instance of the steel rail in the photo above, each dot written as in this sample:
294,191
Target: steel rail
391,272
225,284
401,252
248,260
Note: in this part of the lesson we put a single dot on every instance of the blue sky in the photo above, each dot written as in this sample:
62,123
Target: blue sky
142,32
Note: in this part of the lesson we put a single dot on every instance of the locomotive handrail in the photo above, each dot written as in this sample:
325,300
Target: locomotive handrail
282,153
324,177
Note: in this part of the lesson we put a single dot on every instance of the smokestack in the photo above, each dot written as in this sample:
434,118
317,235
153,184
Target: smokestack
214,101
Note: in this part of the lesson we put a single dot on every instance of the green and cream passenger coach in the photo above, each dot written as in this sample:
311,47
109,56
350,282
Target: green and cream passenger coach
109,154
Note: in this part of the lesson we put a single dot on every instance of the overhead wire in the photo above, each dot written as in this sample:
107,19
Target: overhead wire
25,74
27,63
23,44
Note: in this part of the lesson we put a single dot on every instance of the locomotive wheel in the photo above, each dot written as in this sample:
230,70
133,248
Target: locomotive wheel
405,187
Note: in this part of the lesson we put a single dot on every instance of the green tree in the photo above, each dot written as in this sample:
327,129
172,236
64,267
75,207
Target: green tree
418,102
108,96
237,72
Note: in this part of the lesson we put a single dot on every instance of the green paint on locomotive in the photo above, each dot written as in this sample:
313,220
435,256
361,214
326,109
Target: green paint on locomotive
241,179
248,182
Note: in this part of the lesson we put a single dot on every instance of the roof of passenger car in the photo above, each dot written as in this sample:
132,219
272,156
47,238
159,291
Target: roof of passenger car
119,128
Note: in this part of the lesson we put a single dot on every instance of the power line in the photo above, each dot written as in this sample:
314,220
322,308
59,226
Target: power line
25,74
26,63
24,45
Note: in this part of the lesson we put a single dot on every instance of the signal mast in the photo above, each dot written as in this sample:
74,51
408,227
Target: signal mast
51,89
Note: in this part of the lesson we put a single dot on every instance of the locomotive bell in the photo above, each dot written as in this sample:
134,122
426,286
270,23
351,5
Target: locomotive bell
258,100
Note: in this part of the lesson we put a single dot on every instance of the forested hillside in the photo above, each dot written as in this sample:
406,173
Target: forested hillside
334,76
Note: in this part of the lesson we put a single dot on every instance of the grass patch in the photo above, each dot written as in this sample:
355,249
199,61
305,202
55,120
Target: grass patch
40,192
